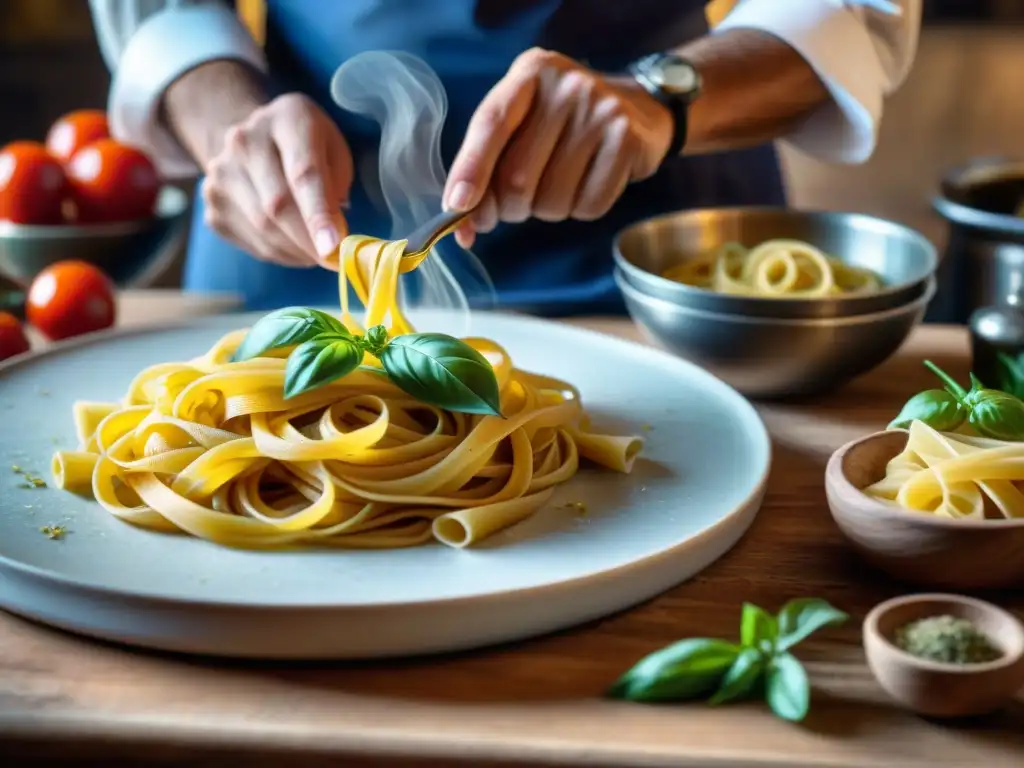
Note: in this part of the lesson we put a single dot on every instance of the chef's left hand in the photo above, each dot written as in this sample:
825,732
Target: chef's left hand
554,140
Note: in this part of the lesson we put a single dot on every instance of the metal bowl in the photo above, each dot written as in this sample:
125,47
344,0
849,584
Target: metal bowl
903,258
776,357
131,253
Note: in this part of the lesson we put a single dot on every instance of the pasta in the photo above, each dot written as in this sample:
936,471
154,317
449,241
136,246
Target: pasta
952,475
211,448
774,269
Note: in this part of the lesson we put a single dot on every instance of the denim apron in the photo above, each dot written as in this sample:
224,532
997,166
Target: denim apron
552,269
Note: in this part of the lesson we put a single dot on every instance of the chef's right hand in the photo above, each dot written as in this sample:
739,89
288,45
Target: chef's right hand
278,184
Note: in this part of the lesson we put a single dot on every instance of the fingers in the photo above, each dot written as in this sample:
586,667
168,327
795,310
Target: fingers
565,171
608,174
523,163
308,148
276,205
231,216
496,119
554,140
277,185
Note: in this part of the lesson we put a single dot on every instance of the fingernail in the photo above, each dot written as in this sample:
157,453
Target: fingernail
345,205
326,240
462,196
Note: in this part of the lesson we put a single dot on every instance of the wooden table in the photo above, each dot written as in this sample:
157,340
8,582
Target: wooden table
78,702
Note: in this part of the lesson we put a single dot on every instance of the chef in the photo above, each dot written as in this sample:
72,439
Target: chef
568,120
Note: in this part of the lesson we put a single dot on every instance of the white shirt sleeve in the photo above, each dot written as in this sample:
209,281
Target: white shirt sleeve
861,55
147,45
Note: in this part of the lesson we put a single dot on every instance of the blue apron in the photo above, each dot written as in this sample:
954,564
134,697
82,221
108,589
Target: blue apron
552,269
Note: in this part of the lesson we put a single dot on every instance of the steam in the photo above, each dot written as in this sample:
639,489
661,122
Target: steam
405,97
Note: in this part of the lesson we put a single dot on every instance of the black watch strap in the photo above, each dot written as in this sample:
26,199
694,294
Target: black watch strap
680,111
645,72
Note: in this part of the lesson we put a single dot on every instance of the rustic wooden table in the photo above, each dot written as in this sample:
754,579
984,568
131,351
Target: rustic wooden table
69,701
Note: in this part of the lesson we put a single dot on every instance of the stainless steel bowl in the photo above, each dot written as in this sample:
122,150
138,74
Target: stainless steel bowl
776,357
903,258
130,253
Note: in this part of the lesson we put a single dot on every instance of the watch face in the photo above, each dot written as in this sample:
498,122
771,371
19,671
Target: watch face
676,76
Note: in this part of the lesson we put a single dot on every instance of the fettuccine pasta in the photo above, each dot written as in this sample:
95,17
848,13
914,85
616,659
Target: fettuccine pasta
785,269
211,448
955,475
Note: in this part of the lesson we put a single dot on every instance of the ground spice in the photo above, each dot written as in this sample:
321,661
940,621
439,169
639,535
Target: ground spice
946,639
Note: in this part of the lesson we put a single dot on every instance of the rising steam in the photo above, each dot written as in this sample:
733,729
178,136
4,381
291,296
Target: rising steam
405,97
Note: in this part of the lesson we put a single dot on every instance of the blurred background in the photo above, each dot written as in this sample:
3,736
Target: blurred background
964,99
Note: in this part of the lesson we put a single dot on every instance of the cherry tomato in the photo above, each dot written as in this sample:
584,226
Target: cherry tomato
33,186
70,298
13,340
74,130
112,182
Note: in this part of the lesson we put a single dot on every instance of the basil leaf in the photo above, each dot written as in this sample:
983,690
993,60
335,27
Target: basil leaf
757,628
787,688
998,415
935,407
444,371
800,618
684,670
1011,373
320,361
741,677
286,328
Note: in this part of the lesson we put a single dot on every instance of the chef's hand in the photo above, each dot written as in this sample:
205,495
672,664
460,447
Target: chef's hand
276,187
554,140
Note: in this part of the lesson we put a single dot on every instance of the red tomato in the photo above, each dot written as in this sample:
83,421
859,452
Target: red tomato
12,337
70,298
112,182
74,130
32,184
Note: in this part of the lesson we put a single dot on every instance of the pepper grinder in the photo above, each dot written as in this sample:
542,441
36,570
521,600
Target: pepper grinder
997,343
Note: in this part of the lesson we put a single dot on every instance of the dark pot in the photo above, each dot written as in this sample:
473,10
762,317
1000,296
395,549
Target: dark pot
983,263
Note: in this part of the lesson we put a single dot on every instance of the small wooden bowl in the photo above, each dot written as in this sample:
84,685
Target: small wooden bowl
945,690
915,546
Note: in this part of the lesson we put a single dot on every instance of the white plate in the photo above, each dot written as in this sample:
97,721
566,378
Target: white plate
690,498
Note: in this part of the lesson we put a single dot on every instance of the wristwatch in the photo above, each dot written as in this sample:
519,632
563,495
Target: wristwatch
673,81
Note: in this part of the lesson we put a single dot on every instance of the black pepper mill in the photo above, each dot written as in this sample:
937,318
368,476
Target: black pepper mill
997,344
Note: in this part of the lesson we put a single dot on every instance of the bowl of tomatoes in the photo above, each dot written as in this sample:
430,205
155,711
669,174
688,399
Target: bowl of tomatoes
82,195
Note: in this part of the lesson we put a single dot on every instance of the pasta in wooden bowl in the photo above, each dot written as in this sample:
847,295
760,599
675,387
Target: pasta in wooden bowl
942,510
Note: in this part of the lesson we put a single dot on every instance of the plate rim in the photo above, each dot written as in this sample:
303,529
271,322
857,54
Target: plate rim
755,496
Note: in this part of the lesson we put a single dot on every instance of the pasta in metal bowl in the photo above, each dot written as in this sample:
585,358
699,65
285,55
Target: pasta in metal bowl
774,269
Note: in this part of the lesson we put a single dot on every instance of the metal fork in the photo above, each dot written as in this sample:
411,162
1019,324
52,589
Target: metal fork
426,235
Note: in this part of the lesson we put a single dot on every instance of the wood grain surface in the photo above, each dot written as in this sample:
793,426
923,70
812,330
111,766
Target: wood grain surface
68,701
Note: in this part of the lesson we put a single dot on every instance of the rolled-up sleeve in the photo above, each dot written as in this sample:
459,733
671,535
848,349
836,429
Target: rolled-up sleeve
147,45
861,55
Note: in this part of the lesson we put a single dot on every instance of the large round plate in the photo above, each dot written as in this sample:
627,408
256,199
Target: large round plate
689,499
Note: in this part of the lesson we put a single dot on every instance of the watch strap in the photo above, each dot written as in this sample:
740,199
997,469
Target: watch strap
677,105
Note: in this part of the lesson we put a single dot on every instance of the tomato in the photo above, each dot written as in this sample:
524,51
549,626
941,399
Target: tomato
75,130
33,186
112,182
70,298
13,340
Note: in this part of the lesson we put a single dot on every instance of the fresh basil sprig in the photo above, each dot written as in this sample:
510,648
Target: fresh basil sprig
992,412
286,328
720,672
434,368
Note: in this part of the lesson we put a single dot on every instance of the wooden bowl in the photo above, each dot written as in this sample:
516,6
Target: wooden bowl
915,546
945,690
